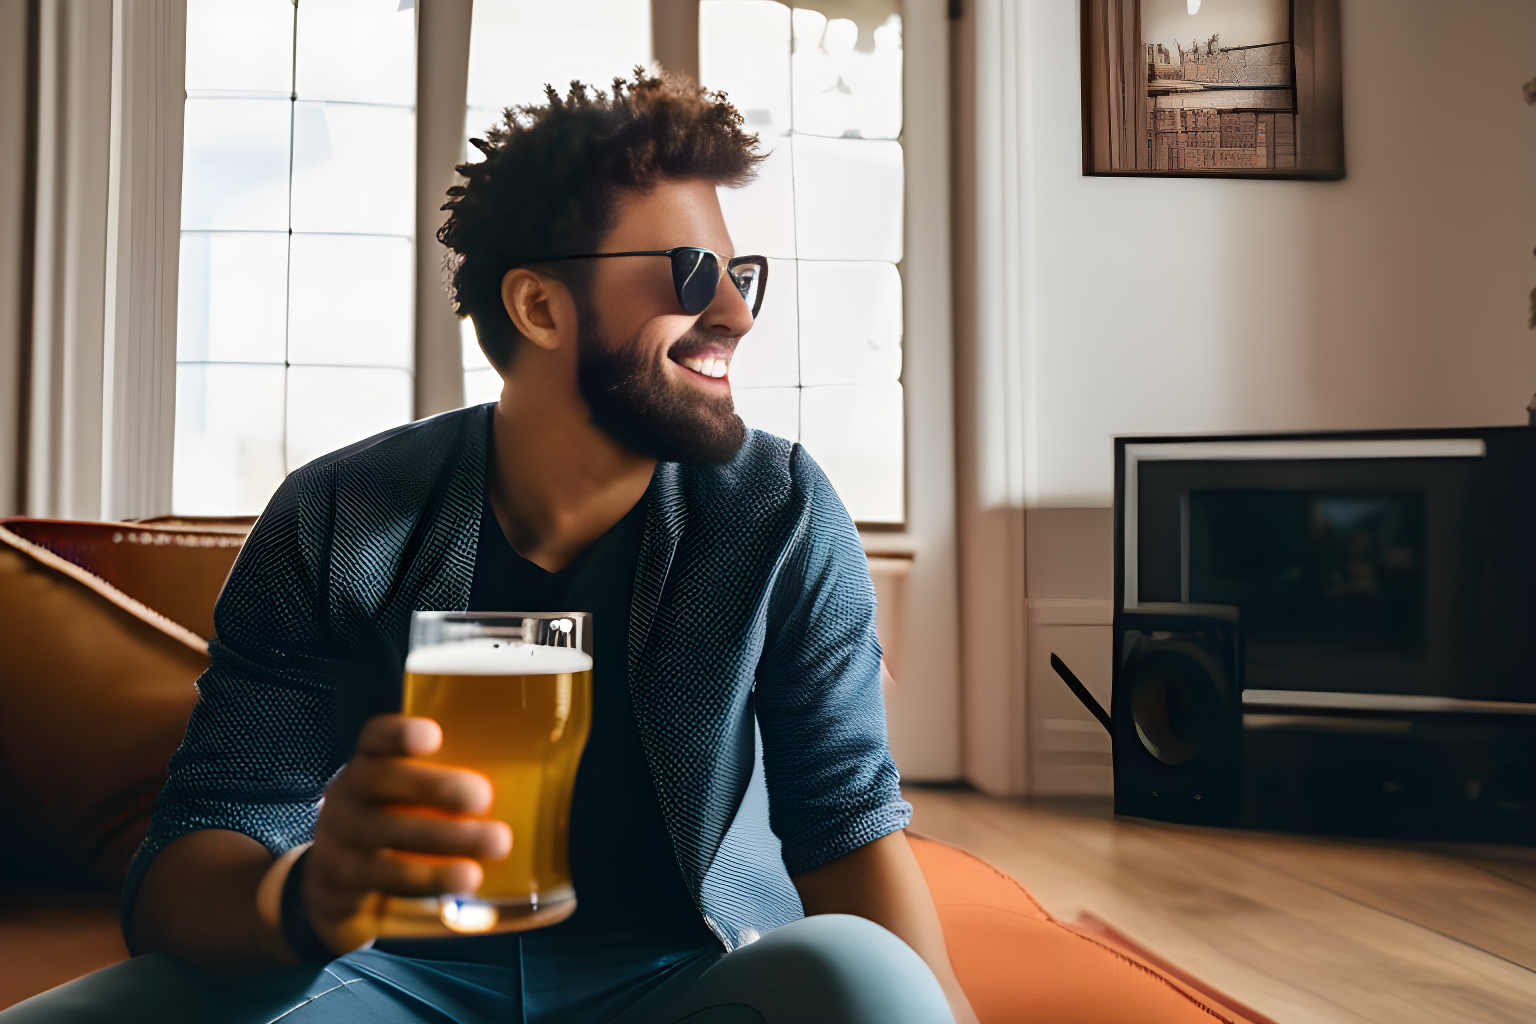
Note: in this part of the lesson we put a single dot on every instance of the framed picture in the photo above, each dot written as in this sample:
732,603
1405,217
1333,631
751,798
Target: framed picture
1212,88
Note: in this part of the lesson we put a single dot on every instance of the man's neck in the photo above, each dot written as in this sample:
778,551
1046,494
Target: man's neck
557,482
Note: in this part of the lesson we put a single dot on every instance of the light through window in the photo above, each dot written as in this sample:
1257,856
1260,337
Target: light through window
822,88
294,333
823,91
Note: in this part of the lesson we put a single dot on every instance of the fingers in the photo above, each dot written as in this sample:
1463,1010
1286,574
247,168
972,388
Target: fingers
344,888
399,736
344,874
381,773
393,825
394,780
371,827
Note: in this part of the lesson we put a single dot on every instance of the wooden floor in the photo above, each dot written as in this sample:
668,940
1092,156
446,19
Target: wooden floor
1300,929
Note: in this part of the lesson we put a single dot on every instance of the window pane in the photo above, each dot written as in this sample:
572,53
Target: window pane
478,122
761,215
232,297
850,323
768,354
297,221
481,381
354,169
847,79
350,301
744,49
229,439
481,386
775,410
823,85
358,50
235,165
848,199
331,407
469,347
516,46
240,45
855,434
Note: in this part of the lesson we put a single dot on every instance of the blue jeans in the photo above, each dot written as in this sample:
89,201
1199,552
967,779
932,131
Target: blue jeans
831,968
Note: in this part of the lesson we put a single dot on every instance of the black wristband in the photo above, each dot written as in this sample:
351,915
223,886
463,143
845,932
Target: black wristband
295,921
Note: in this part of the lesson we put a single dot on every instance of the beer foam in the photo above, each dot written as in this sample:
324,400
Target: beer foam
485,656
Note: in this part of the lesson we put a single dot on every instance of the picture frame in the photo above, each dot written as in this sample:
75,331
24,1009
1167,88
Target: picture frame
1257,93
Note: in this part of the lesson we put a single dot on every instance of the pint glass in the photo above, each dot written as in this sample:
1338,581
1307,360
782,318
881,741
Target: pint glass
512,692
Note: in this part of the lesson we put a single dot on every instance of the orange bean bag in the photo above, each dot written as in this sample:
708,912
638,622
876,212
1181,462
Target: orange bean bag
1018,964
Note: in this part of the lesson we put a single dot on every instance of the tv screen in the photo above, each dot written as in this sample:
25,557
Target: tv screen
1313,569
1351,574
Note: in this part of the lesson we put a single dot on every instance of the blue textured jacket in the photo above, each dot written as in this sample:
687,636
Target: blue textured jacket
752,603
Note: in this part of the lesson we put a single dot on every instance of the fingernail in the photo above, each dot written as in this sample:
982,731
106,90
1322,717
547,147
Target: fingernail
504,842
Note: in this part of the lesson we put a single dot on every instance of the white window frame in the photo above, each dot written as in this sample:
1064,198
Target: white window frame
923,702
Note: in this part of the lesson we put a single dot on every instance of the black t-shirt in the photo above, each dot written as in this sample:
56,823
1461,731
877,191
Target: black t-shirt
622,863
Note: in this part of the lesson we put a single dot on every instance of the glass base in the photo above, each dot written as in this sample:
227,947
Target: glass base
445,916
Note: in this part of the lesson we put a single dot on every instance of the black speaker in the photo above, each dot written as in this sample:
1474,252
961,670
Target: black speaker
1176,713
1186,752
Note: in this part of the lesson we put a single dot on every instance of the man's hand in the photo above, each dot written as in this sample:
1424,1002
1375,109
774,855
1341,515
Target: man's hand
391,825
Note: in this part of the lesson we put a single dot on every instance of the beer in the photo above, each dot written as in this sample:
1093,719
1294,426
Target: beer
519,714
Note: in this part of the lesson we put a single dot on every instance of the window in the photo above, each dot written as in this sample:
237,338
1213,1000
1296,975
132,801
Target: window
823,363
295,321
294,333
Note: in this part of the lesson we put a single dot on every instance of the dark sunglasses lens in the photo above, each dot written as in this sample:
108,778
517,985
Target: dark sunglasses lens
750,281
695,273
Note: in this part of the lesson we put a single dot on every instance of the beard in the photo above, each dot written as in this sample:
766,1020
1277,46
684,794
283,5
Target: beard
634,402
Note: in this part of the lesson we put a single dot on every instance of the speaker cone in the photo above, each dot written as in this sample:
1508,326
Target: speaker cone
1179,698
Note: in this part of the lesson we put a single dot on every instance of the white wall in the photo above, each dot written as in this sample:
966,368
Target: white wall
1396,297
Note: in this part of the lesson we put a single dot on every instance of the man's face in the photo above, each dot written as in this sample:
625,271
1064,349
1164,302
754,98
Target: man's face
656,379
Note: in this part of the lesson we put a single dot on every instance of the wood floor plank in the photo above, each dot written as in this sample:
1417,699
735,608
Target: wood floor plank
1521,870
1463,901
1300,929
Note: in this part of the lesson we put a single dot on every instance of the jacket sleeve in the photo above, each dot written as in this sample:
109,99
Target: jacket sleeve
260,747
832,786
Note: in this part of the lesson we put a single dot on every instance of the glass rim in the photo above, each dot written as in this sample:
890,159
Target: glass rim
450,616
565,629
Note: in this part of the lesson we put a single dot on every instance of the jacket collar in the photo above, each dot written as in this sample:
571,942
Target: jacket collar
666,517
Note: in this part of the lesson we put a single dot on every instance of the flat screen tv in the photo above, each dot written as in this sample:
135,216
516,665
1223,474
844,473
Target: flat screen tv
1333,632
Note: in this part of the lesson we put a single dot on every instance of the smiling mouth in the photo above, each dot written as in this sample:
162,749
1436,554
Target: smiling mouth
712,366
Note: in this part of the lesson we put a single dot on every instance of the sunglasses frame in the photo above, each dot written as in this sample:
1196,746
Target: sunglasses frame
682,278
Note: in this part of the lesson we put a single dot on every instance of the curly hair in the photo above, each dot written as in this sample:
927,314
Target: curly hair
552,172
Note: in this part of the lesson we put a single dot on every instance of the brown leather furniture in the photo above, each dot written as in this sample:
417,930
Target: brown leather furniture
102,629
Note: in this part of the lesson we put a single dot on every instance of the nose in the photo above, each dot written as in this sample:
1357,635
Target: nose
728,314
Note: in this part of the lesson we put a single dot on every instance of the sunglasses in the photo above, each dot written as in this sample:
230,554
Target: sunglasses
696,273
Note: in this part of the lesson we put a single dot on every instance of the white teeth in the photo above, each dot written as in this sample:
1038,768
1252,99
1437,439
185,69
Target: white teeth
708,366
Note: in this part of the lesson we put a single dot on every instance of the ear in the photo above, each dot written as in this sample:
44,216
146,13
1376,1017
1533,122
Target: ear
541,308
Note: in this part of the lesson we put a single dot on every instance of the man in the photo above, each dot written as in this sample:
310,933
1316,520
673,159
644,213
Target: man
728,587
